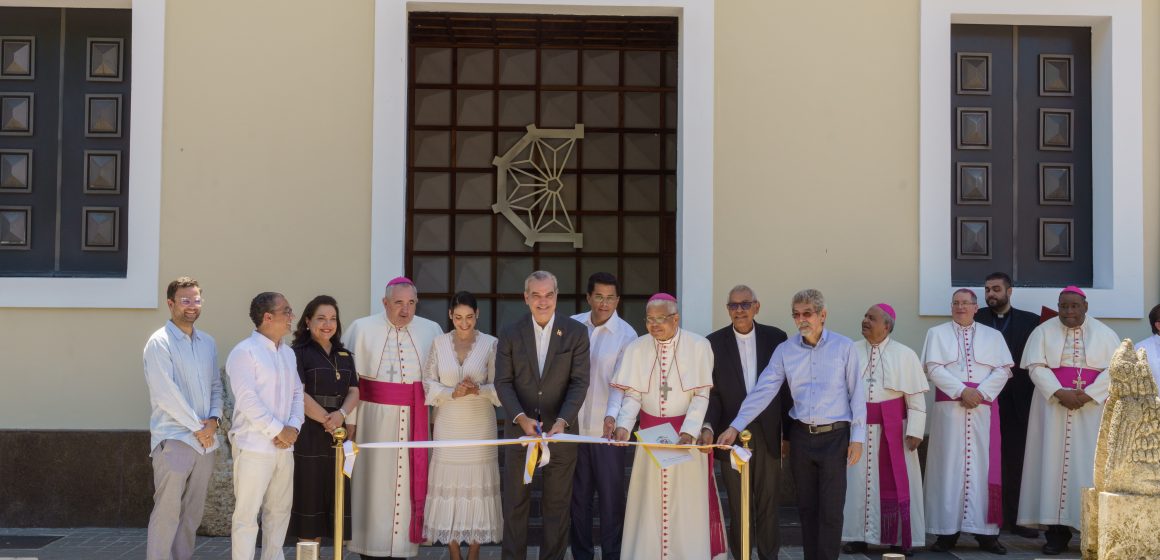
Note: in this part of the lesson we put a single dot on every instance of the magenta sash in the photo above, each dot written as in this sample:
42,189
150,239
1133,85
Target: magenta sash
716,527
994,462
409,395
1068,375
893,482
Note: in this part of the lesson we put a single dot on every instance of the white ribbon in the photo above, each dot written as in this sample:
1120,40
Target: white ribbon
737,456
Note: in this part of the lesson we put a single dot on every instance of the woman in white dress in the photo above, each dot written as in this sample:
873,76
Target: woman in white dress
463,496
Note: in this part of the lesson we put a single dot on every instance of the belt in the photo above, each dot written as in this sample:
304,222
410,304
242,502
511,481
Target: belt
815,429
328,401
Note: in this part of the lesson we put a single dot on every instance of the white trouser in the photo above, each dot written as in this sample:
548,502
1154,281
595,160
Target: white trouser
263,482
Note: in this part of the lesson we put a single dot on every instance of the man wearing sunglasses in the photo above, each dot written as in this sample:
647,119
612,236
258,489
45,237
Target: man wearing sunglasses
740,350
829,411
268,413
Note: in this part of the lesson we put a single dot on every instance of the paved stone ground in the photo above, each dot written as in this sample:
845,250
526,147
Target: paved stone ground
117,544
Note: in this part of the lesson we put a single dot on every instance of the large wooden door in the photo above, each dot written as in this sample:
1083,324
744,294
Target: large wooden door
476,82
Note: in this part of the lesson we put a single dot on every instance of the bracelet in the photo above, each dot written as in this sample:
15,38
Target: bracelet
342,412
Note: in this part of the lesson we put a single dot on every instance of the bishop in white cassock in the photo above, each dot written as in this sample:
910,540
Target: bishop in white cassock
1066,357
884,492
968,364
673,513
390,486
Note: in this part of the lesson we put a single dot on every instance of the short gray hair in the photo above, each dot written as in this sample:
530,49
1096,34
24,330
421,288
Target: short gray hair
391,289
669,305
812,297
974,296
744,288
889,322
540,276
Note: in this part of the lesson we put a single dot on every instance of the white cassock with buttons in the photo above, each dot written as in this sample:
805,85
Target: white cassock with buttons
1061,443
669,510
381,485
959,483
891,372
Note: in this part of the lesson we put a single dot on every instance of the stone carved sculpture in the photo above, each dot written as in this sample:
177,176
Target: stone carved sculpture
1122,513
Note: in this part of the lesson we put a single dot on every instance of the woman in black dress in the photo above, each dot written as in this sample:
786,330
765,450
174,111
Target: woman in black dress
331,394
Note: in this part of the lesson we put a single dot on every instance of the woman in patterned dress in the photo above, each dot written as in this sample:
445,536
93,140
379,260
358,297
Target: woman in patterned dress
331,393
463,499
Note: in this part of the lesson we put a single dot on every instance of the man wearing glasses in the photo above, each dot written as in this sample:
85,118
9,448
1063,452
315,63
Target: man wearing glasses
185,395
829,412
600,468
968,364
740,351
268,413
666,376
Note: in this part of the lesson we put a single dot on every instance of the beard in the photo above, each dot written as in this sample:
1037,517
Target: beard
998,303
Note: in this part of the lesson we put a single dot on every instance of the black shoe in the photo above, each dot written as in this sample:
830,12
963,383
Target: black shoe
993,546
1053,549
944,543
856,547
908,552
1025,532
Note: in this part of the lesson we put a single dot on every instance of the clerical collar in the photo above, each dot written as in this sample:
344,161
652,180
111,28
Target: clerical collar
966,328
880,345
745,335
394,326
670,341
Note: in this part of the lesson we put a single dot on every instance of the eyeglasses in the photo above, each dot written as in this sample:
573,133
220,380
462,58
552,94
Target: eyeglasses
288,311
659,320
742,305
963,303
599,299
807,315
186,302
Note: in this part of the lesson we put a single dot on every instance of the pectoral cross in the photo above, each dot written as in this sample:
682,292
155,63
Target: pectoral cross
1078,383
665,389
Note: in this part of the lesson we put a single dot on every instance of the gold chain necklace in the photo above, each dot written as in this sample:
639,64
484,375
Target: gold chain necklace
334,364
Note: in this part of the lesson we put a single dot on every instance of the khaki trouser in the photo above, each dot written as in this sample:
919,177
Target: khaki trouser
180,476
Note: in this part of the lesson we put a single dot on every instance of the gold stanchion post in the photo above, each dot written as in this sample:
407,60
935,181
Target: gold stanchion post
339,484
745,548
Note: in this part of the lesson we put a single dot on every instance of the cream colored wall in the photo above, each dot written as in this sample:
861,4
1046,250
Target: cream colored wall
816,162
266,182
266,186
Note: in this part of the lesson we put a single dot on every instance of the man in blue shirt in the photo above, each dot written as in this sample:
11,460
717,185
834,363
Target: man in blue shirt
829,413
185,395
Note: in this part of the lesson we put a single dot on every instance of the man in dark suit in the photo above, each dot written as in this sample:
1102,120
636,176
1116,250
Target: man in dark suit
1015,400
740,352
541,376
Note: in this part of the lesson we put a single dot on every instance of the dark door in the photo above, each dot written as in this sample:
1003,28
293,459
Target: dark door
1021,174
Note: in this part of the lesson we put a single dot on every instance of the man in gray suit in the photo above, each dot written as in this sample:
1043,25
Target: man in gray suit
541,376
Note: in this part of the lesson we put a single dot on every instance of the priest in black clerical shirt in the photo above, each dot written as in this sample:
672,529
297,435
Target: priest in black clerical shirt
1015,400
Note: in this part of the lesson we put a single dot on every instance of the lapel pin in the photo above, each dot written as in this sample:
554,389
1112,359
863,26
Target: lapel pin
559,332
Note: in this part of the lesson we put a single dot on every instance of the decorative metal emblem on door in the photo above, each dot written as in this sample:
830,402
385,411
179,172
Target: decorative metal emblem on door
529,185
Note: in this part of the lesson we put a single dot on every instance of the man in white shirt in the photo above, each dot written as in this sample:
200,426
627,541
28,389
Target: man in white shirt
267,416
185,395
600,468
541,377
1151,345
